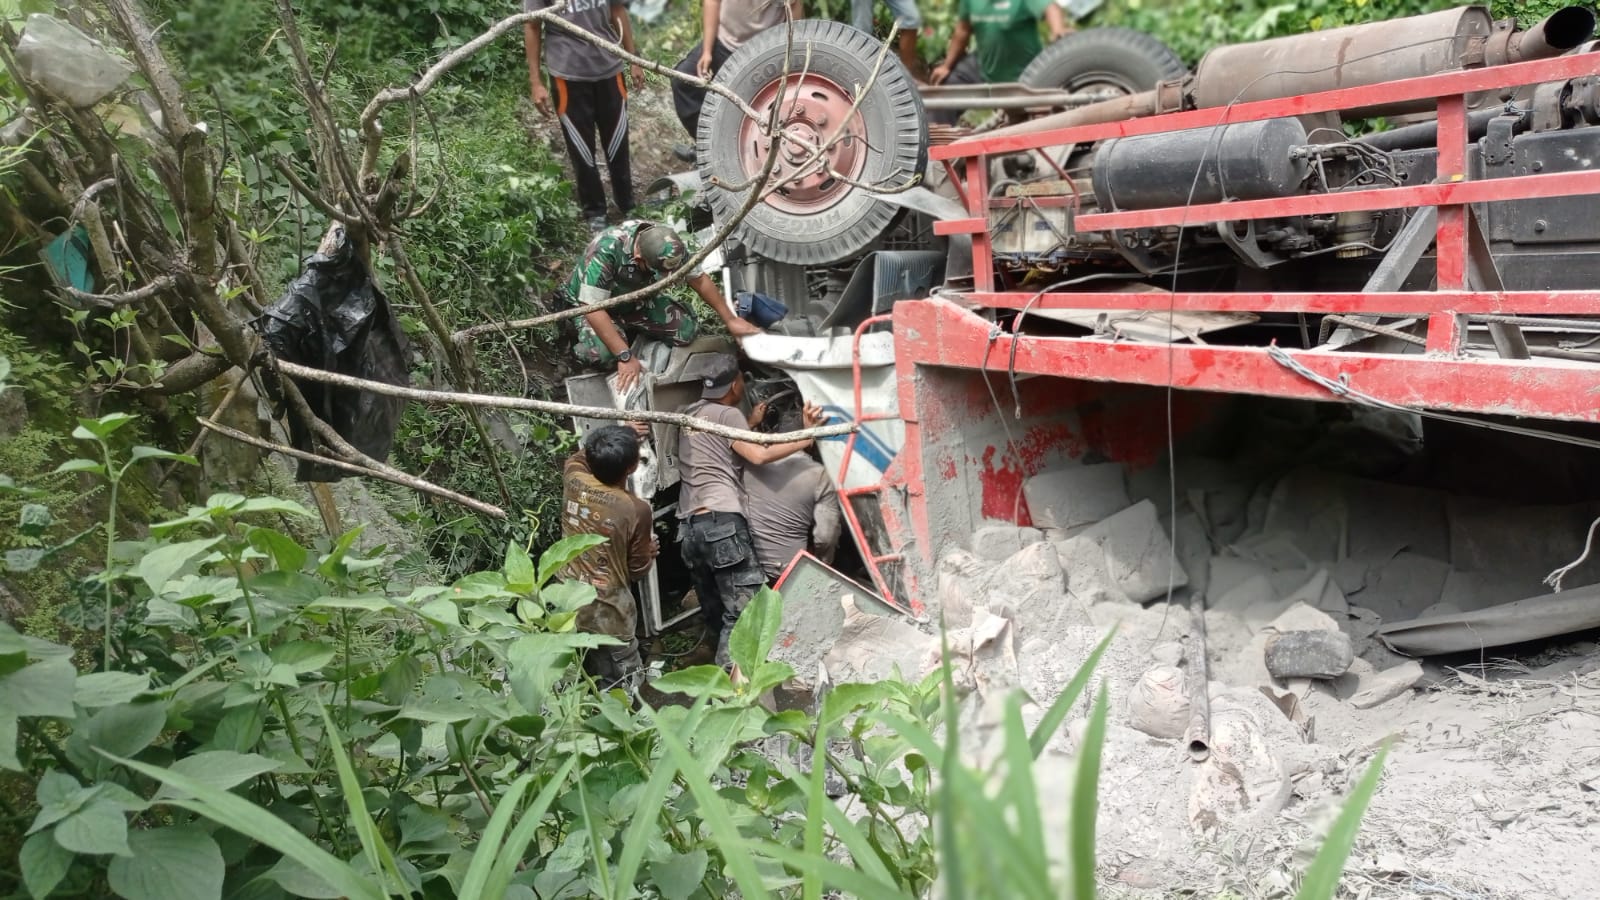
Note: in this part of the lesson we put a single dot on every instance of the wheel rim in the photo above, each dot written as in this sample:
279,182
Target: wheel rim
812,111
1100,81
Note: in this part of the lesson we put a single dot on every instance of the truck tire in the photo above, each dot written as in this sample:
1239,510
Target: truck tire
1099,58
819,219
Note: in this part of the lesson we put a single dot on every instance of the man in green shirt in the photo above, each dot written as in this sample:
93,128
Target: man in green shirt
1007,33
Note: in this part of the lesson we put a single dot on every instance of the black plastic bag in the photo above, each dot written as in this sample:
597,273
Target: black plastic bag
334,318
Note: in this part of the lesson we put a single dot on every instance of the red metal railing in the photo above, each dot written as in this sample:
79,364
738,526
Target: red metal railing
873,560
1451,193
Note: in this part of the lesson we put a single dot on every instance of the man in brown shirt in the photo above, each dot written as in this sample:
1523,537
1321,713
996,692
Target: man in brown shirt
713,533
596,501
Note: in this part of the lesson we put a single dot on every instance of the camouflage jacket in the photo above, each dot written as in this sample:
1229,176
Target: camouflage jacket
608,267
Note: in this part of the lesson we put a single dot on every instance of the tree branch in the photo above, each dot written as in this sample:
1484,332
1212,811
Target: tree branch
372,131
392,476
493,401
126,298
305,190
675,278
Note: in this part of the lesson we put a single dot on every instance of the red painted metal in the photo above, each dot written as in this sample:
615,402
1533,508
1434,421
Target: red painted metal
939,333
1469,81
1561,184
873,560
1544,303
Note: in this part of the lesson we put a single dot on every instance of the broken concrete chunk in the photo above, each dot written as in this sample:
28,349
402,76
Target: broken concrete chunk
1159,703
1309,654
1031,589
1075,496
1138,556
962,577
998,542
1301,617
870,648
1372,690
1167,653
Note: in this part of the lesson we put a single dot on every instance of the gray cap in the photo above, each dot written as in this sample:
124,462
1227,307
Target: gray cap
718,378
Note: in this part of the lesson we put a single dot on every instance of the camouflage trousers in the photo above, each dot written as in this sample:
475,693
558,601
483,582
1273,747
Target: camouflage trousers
716,548
659,316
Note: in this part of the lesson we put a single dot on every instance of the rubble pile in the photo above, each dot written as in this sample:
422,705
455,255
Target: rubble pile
1299,574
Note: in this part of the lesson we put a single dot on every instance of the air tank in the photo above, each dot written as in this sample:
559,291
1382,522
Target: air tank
1246,161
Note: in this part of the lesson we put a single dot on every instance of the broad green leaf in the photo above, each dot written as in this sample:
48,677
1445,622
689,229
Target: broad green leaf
81,465
276,505
44,863
303,656
299,881
679,877
751,640
58,795
221,769
537,661
696,681
1322,879
380,858
42,689
844,699
98,828
1085,802
8,743
518,569
179,862
127,728
330,566
99,689
239,730
90,429
649,801
161,564
567,596
400,679
245,817
143,453
286,554
480,586
1057,713
13,650
556,557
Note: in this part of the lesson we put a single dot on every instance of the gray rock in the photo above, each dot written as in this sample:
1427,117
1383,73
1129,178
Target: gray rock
999,542
1372,690
1075,496
1309,654
1138,556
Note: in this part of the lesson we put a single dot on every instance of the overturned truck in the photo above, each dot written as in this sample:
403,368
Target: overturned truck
1072,326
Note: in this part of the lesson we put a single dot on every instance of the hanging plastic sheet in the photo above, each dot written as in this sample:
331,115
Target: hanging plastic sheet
334,318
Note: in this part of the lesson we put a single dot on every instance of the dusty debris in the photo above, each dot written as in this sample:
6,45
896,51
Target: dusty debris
997,542
1309,654
1159,703
1072,497
1381,687
871,648
1138,557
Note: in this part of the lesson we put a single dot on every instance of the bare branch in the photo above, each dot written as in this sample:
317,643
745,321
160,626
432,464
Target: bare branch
493,401
88,196
189,373
678,277
391,476
322,204
111,301
372,130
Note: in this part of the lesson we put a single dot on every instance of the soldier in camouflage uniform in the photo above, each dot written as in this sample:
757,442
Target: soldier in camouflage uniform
622,259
